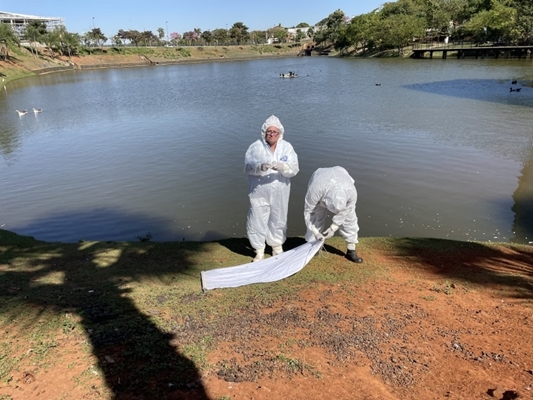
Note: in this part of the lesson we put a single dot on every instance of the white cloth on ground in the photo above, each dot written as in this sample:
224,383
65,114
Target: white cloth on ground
268,270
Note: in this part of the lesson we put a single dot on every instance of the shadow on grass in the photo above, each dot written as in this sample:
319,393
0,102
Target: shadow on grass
137,359
477,263
334,250
243,247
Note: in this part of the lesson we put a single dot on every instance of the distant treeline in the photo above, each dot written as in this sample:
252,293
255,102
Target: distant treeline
393,25
401,23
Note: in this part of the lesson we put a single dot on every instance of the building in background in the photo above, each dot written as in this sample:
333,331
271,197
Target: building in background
18,22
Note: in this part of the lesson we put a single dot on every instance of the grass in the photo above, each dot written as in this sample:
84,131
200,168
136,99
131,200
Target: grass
131,301
138,311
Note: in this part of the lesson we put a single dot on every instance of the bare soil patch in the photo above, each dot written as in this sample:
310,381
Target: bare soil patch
448,323
410,336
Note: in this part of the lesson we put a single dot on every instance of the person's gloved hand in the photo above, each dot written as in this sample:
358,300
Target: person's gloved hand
278,166
265,166
317,233
330,231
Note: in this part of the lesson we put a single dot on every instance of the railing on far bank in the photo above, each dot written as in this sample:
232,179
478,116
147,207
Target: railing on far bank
477,50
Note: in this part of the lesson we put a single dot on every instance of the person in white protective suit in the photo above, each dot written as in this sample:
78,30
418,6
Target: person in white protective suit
270,163
332,189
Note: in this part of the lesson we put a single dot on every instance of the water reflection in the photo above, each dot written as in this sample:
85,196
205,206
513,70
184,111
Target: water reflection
9,141
523,204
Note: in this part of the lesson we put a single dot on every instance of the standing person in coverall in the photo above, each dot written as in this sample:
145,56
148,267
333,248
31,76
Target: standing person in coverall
332,189
270,163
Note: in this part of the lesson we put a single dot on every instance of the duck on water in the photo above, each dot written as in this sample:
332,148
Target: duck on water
290,74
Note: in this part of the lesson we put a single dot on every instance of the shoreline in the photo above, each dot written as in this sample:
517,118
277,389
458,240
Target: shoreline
50,70
27,64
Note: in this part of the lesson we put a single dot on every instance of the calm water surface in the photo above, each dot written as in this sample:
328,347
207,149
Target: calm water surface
441,149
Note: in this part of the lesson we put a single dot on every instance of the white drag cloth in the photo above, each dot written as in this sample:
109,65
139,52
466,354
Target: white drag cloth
268,270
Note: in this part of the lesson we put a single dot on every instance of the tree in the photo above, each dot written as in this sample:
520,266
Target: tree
96,37
148,38
34,36
279,33
329,27
299,35
175,37
220,36
361,30
39,28
198,33
7,39
191,37
524,21
257,37
438,15
398,30
311,32
343,41
116,40
207,37
496,23
63,41
35,32
133,36
239,33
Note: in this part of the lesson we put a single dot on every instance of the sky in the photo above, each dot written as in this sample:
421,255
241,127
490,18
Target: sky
80,16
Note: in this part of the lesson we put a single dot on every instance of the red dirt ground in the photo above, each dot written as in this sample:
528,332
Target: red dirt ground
418,333
435,339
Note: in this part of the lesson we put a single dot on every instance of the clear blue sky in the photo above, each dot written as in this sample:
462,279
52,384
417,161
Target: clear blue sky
184,16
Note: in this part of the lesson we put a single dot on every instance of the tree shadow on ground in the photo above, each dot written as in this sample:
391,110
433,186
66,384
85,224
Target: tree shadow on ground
137,359
476,263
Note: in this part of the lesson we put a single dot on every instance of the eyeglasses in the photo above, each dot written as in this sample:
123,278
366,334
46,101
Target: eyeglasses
273,133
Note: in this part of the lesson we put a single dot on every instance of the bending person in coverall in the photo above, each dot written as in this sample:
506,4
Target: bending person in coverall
270,163
332,189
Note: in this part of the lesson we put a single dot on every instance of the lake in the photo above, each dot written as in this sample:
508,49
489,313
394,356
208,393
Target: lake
440,148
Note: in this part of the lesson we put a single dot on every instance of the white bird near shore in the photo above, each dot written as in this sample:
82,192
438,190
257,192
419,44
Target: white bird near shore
37,110
21,113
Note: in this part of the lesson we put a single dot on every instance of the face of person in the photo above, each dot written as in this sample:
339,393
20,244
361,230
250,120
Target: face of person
272,135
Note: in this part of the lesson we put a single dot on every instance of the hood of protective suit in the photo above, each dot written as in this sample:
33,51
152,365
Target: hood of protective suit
336,200
272,121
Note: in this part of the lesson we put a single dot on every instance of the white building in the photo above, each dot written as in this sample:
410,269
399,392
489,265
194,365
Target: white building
292,32
18,22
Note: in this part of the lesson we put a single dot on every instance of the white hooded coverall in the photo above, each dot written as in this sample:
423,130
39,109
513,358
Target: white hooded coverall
331,189
269,190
